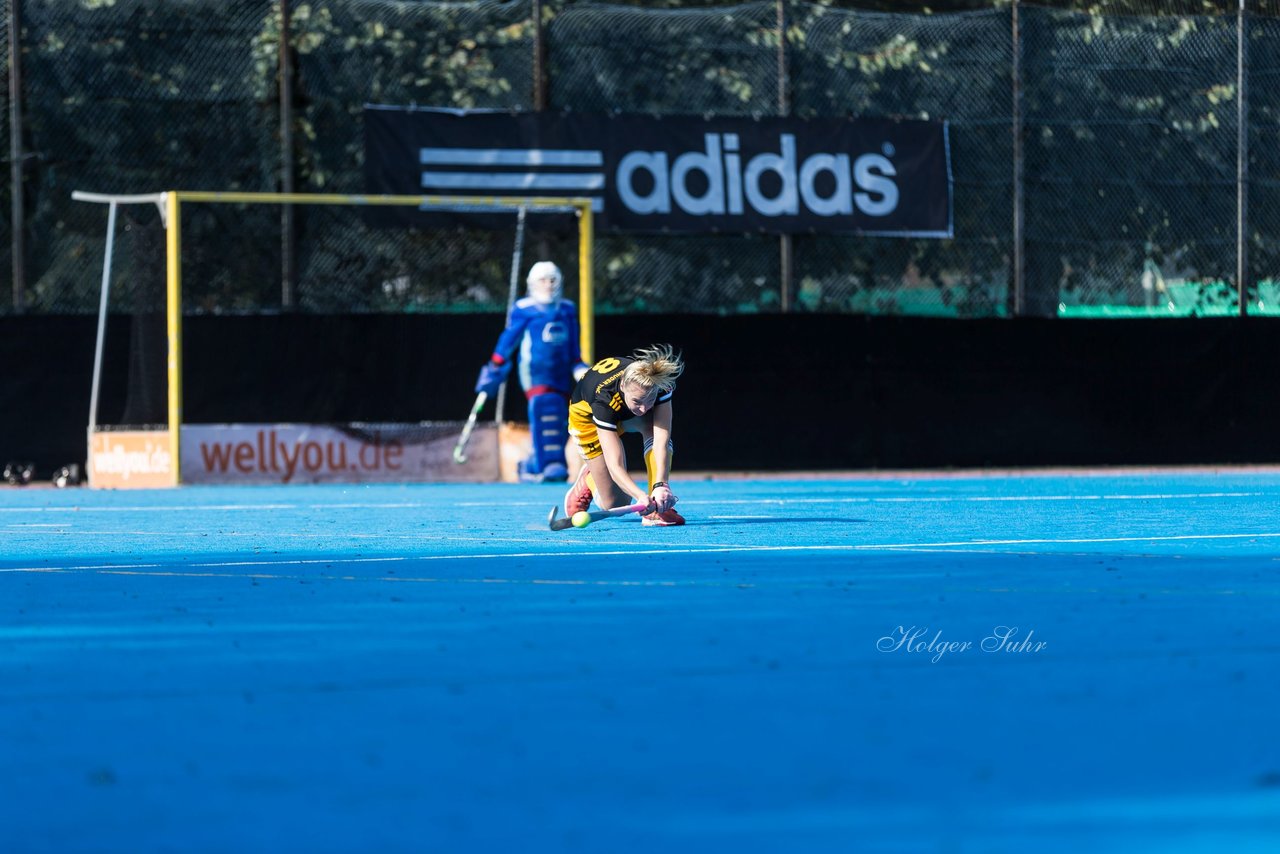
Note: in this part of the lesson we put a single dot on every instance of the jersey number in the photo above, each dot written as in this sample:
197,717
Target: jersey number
604,366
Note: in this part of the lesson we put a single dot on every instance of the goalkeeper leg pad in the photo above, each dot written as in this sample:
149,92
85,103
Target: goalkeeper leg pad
549,430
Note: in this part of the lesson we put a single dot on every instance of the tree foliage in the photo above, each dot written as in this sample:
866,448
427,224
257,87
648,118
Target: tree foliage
1129,137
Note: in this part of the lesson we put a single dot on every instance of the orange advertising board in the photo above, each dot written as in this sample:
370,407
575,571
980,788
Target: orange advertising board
318,453
303,453
130,459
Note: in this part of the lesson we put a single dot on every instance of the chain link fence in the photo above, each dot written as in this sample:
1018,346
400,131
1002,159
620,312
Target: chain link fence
854,63
12,295
137,97
1131,136
1263,227
349,54
1128,168
719,60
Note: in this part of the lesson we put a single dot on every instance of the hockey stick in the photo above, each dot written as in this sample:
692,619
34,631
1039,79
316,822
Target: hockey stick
567,521
460,449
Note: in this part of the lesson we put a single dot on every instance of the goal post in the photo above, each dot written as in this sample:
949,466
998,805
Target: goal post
172,204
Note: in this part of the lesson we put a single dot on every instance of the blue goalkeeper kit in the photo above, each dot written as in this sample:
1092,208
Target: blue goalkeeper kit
547,337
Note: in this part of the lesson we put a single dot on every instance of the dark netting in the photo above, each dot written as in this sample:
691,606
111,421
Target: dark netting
385,270
358,52
138,290
721,61
1130,142
132,97
349,54
1130,130
6,191
734,274
1264,161
860,63
346,265
359,268
1170,8
231,258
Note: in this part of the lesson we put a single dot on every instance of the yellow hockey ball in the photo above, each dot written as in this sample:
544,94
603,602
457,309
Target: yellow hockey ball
581,519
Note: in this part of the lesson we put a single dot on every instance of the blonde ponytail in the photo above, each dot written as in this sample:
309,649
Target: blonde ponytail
655,367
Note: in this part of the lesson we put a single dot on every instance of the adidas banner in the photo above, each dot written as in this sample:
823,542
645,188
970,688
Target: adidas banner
675,173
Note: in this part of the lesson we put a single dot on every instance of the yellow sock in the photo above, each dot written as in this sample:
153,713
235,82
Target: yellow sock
648,463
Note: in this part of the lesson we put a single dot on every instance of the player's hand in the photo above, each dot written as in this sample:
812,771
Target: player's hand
662,499
491,376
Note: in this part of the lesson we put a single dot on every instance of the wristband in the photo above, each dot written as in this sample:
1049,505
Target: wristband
656,485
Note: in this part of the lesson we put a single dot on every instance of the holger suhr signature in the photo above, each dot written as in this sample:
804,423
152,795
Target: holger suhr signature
917,639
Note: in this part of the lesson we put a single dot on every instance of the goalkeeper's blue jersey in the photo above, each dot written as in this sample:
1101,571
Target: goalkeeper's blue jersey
547,336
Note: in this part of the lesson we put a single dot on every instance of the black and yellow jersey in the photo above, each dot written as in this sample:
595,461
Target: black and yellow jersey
598,394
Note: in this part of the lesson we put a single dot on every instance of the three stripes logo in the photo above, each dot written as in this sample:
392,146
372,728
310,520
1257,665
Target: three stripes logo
615,402
514,171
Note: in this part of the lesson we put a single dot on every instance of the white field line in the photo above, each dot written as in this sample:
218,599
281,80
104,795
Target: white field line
188,534
923,499
551,582
1071,541
578,553
436,505
341,560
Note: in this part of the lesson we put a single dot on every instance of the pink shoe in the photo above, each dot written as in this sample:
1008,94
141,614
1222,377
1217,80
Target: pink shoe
663,519
578,498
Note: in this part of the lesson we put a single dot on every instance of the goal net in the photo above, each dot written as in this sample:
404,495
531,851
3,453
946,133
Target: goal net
279,310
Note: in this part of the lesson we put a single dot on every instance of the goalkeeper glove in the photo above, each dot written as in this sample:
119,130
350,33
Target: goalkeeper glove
491,376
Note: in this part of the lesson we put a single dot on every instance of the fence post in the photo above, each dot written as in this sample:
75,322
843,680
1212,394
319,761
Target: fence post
1019,296
288,241
539,60
1242,161
786,247
17,160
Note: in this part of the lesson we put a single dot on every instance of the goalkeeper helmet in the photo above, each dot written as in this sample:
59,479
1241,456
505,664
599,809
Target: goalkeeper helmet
544,282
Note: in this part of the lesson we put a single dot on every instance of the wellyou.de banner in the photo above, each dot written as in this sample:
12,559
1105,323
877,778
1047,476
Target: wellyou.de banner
314,453
676,173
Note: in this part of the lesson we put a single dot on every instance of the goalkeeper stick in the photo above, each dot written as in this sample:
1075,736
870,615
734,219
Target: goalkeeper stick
460,449
567,522
511,298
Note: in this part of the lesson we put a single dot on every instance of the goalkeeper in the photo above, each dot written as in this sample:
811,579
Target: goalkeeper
544,326
616,395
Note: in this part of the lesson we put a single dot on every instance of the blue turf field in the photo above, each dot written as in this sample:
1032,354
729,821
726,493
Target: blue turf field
428,668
